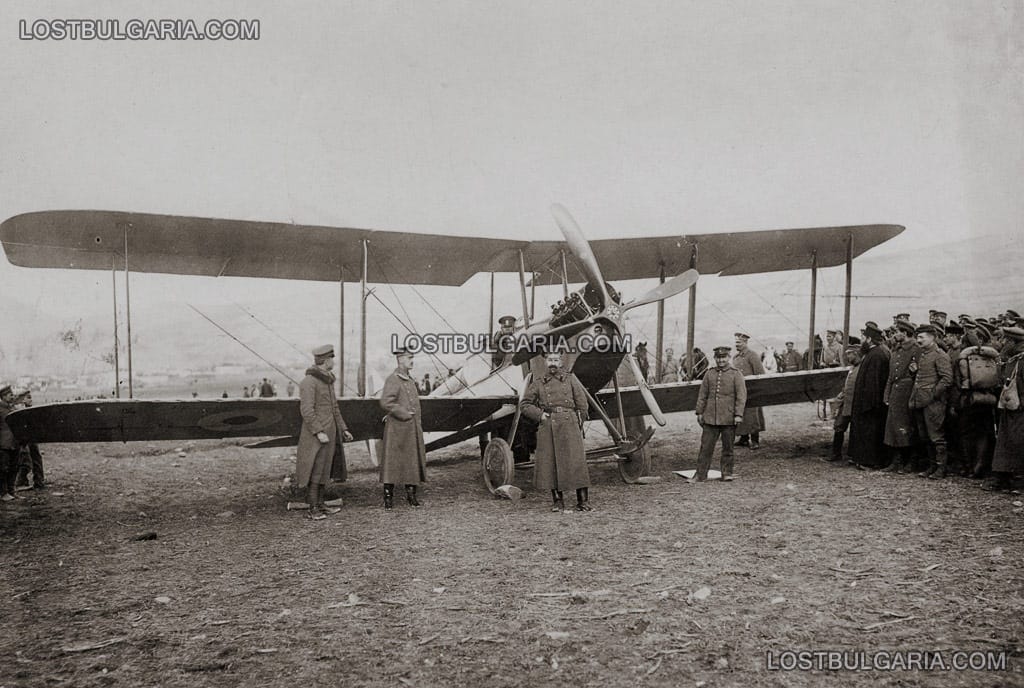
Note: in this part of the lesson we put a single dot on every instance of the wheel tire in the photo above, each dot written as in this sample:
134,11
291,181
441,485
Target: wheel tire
498,464
637,464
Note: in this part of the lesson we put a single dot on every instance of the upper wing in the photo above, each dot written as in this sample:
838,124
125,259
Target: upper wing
762,390
95,240
127,421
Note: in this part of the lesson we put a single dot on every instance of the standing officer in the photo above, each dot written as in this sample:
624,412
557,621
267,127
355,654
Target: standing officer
404,456
321,434
8,447
934,375
720,405
748,363
558,402
899,421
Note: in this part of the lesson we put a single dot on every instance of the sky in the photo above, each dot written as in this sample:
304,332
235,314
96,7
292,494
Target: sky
471,118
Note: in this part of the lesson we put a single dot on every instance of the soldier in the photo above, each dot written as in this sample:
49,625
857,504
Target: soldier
899,421
1009,454
951,344
791,360
832,354
867,419
8,447
501,341
557,401
842,421
404,456
720,405
933,376
34,458
322,431
748,363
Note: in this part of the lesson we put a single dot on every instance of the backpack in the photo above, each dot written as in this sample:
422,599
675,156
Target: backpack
979,368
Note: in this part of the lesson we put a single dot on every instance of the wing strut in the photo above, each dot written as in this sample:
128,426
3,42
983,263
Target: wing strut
128,307
814,299
846,297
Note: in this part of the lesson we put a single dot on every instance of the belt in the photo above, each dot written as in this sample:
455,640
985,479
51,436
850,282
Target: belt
559,409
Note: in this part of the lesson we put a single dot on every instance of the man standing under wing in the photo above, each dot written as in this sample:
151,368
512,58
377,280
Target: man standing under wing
322,430
404,456
720,404
558,402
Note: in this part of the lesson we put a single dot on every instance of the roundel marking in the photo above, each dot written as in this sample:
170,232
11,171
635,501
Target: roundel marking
233,421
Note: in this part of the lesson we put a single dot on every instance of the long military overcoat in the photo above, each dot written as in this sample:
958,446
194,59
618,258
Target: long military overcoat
560,461
1009,454
867,422
403,458
749,363
318,406
899,422
722,396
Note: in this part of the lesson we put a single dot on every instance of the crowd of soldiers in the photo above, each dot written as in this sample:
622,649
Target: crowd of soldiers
936,399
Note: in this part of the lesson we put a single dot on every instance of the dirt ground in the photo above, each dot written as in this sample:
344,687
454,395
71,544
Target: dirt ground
666,584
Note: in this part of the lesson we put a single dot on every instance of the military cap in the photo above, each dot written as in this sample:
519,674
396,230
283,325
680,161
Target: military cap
1010,313
400,351
906,326
855,341
788,343
642,345
741,335
509,320
968,322
937,317
1011,332
722,350
927,329
902,316
954,328
325,350
982,321
5,390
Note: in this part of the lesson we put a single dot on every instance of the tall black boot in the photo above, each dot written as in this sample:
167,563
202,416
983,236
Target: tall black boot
583,499
930,449
389,496
557,505
941,460
410,496
906,461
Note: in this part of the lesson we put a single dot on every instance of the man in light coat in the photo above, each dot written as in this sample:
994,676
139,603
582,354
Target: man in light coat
720,405
322,431
404,456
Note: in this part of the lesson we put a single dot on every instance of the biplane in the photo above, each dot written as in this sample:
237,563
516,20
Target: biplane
480,400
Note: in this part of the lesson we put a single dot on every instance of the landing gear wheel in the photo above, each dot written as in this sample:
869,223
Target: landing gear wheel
635,466
498,464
